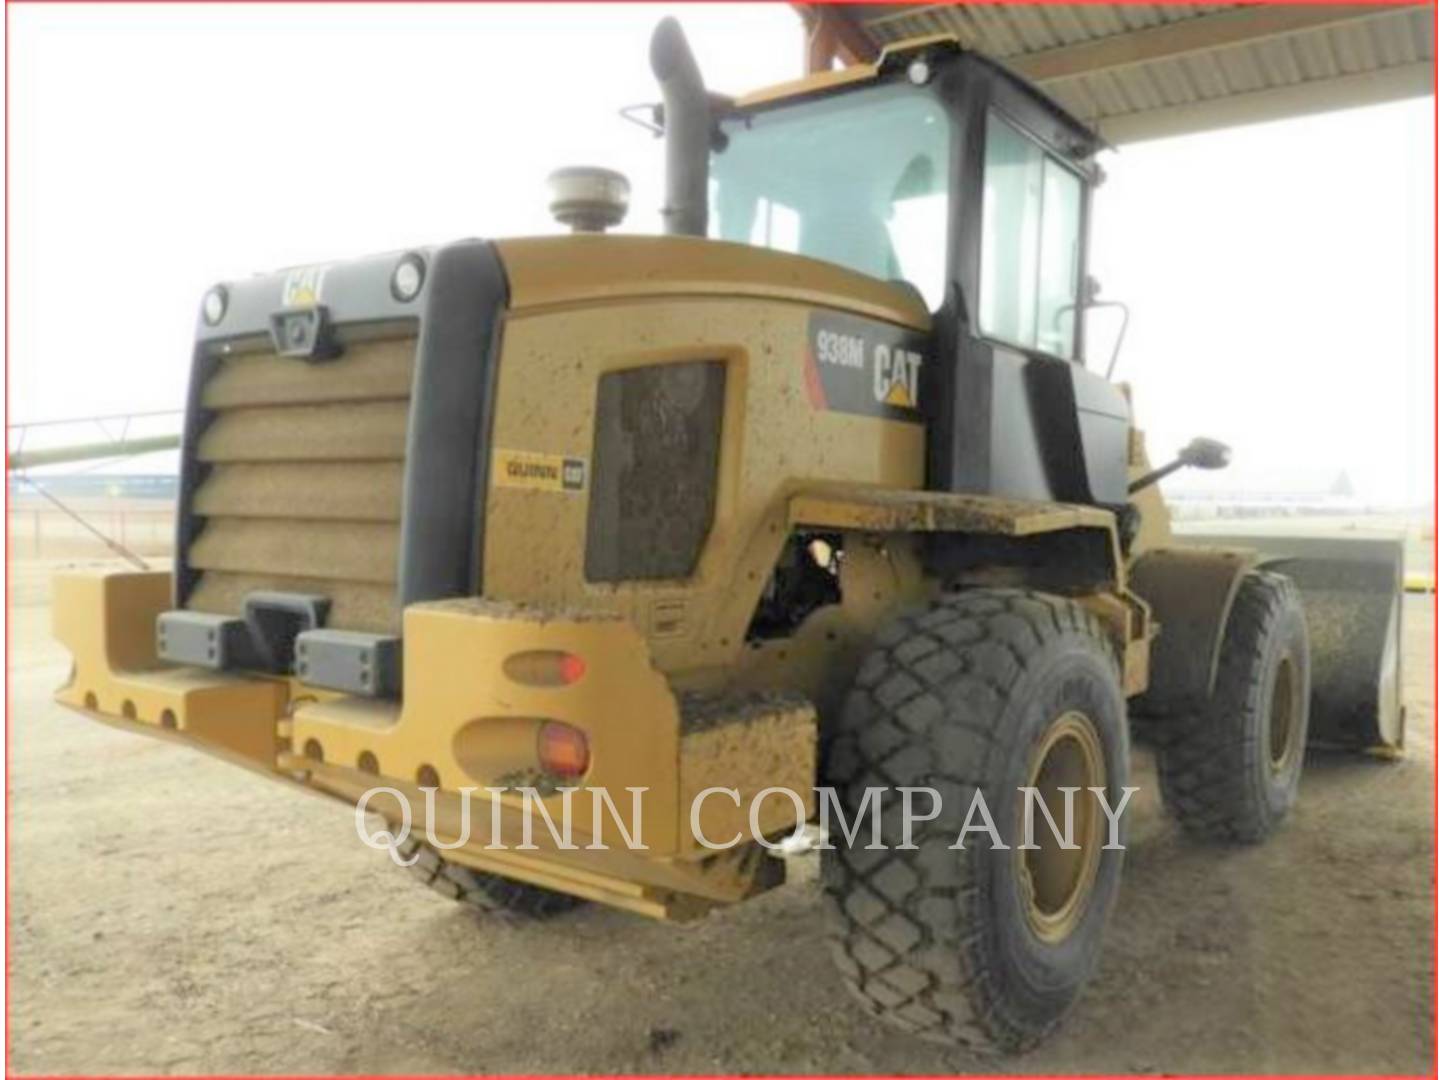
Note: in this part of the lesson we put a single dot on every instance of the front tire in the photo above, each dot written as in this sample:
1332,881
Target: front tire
989,690
1230,769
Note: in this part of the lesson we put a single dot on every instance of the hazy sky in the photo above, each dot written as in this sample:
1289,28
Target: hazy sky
1280,275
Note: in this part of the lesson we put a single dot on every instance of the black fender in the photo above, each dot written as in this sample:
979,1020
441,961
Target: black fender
1189,592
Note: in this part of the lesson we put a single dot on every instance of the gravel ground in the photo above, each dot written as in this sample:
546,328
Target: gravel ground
171,914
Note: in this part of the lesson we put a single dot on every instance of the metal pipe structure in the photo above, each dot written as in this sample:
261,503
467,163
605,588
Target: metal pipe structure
64,455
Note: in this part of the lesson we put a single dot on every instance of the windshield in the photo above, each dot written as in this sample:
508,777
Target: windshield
860,179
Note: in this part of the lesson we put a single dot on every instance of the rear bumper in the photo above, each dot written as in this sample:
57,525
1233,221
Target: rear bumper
463,722
107,622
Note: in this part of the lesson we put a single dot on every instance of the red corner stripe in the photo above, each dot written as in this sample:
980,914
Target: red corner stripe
814,388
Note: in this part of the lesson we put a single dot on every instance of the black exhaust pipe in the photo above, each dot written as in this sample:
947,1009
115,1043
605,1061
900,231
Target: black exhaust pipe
687,131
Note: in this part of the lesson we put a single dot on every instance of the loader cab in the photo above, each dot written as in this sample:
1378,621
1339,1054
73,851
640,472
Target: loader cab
942,172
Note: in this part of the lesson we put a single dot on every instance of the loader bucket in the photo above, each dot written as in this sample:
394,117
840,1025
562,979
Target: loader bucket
1353,591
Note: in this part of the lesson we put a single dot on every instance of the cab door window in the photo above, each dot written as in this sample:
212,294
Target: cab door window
1030,243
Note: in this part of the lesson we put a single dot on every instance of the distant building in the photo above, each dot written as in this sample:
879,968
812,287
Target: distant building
1273,492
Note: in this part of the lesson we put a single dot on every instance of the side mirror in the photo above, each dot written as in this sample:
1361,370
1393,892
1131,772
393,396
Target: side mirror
1200,453
1203,453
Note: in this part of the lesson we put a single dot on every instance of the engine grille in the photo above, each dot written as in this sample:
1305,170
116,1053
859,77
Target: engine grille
302,481
657,448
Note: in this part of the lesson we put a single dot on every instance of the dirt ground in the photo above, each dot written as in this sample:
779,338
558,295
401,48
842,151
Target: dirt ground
172,914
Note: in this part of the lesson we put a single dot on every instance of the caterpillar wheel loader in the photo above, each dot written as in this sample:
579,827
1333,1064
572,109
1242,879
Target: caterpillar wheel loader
805,509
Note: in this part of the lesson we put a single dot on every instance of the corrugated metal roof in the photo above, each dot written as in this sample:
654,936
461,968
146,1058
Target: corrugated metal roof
1143,71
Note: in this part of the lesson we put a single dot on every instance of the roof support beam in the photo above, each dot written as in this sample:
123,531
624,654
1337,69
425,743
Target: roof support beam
1201,33
1278,103
831,34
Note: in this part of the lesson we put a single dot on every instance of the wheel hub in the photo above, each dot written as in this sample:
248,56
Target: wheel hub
1284,710
1057,881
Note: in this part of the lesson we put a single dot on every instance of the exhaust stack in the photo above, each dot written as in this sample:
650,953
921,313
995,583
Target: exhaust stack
687,131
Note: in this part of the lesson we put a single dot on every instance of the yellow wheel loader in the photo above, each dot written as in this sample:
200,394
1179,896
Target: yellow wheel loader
597,565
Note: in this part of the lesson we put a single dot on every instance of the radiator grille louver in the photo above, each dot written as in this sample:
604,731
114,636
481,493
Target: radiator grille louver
302,488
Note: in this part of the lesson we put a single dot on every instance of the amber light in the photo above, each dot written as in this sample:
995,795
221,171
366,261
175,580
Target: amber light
563,750
545,667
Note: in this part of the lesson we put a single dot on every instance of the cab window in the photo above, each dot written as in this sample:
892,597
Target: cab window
1030,243
861,179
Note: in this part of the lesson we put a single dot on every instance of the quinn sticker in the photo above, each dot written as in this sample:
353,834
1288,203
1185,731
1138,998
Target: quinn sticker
538,472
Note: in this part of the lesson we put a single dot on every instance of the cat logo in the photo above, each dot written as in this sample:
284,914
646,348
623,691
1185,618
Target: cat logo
897,377
572,475
302,287
864,367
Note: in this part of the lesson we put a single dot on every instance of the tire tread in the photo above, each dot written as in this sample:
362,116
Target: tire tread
913,951
1206,755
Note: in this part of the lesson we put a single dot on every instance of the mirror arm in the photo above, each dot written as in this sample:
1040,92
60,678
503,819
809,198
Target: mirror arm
1155,475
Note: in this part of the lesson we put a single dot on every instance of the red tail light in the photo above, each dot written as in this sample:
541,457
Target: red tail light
563,750
545,667
572,669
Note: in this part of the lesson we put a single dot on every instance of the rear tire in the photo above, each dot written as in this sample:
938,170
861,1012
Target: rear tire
489,893
979,946
1230,769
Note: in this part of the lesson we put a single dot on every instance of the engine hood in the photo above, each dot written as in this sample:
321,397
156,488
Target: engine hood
577,269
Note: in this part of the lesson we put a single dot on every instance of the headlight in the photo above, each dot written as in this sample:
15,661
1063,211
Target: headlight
409,275
214,304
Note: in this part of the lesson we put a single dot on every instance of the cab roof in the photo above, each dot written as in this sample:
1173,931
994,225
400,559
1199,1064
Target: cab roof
890,56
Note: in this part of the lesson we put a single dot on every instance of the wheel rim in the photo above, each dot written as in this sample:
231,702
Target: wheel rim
1284,716
1057,882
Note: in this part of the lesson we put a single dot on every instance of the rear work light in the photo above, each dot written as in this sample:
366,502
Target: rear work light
545,667
563,750
214,305
409,275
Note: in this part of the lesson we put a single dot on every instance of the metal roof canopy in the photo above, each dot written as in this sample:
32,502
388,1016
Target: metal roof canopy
1146,71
